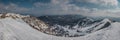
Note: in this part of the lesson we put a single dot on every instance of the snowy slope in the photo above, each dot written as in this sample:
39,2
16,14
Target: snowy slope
18,29
76,31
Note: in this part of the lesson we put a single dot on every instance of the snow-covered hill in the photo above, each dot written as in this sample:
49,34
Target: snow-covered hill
18,27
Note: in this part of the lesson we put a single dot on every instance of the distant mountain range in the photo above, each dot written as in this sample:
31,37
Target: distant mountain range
64,19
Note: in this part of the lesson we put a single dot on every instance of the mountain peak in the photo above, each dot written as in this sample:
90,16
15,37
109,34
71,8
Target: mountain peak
13,15
106,20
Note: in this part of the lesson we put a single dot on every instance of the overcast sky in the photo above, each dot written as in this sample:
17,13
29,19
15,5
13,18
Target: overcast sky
60,7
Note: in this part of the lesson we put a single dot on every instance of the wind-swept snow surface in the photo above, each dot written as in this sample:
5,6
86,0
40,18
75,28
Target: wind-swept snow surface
18,29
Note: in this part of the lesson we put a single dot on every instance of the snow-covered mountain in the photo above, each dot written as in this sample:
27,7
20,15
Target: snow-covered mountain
73,25
21,27
77,30
31,21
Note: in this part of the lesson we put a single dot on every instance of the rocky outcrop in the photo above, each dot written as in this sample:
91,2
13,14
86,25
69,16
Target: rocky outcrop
32,21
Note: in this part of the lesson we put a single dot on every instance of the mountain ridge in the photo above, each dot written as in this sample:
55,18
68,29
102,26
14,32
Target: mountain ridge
32,21
59,30
19,28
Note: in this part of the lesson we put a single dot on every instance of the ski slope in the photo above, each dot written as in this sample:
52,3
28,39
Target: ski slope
11,29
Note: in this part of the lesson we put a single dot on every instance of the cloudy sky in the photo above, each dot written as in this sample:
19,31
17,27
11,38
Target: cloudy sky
61,7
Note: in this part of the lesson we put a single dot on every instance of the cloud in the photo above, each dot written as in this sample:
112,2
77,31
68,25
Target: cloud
101,2
12,8
62,7
104,13
39,4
